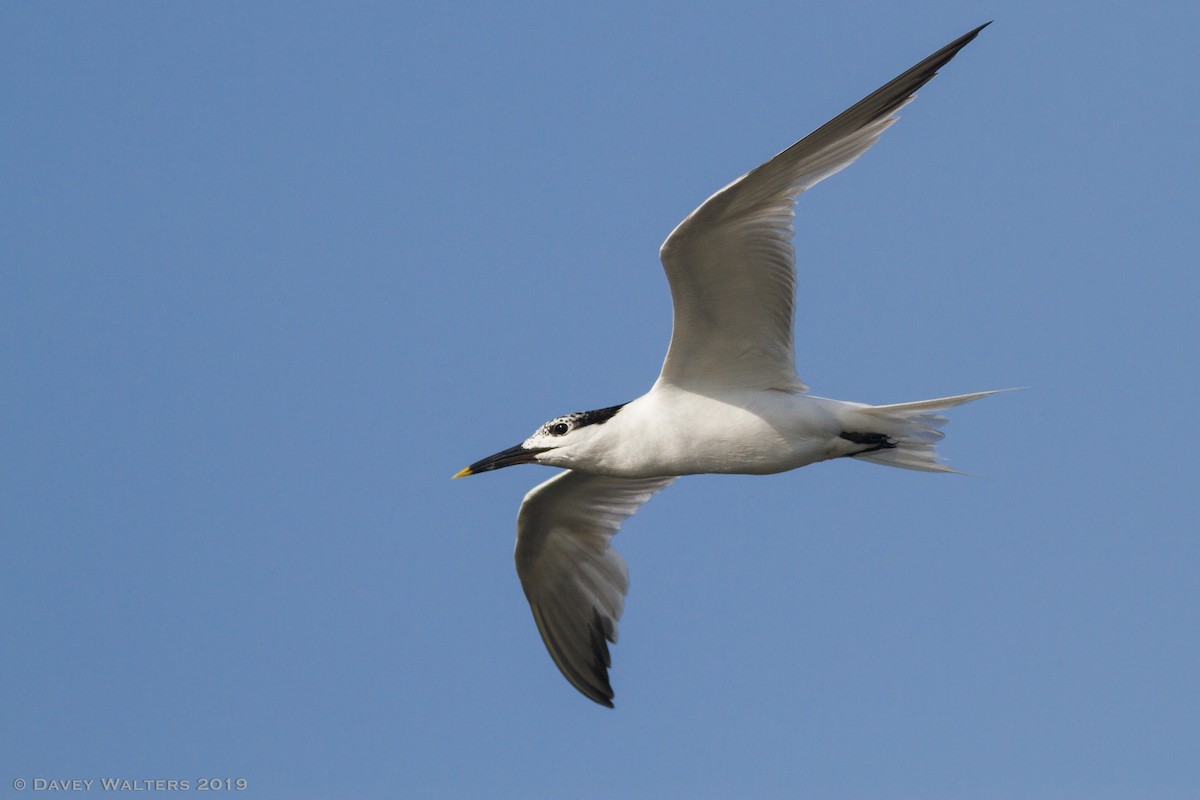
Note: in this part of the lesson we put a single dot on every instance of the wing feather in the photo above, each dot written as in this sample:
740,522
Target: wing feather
574,581
731,264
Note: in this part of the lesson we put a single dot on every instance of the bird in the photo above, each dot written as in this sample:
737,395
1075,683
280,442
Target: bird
728,398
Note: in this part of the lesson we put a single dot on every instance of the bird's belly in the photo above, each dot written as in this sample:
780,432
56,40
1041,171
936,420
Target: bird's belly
761,454
711,436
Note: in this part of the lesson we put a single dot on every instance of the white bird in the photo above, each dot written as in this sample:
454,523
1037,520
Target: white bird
728,399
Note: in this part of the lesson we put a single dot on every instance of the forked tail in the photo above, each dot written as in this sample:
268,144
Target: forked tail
912,431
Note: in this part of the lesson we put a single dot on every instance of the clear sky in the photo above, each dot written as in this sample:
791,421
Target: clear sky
271,273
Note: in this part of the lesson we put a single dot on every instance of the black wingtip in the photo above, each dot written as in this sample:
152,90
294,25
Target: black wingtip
602,634
965,39
951,50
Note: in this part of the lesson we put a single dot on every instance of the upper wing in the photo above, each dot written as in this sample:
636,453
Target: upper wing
574,580
731,265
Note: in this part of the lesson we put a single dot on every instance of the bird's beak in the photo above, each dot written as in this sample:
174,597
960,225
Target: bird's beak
505,458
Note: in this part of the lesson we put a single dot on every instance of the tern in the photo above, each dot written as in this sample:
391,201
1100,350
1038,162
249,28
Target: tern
728,399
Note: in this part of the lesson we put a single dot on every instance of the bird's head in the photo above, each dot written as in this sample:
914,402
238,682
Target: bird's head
552,444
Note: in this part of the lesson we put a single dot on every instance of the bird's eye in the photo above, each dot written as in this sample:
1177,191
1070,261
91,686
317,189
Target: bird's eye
559,428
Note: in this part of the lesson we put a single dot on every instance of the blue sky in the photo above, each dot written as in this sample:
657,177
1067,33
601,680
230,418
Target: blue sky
272,274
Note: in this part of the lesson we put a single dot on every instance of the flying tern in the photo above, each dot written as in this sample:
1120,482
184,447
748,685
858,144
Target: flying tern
728,399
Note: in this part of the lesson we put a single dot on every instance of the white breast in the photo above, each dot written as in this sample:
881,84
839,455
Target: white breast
671,431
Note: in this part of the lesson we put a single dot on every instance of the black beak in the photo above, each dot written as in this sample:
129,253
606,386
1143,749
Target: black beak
505,458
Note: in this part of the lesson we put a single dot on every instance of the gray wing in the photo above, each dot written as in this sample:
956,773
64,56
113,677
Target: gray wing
574,581
731,264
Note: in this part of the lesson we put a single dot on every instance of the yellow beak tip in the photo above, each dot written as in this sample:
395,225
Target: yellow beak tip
462,473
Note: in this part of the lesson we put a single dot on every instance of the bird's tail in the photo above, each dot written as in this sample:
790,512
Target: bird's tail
913,431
